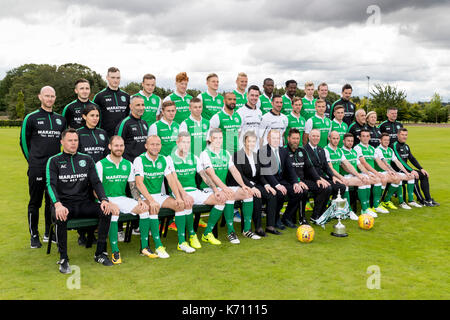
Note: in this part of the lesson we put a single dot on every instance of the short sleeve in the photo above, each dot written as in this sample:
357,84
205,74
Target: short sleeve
214,122
358,151
308,126
379,154
230,160
131,177
327,155
205,161
169,166
199,164
138,167
99,168
153,130
183,127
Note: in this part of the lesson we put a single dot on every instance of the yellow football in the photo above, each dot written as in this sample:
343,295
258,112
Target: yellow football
305,233
365,221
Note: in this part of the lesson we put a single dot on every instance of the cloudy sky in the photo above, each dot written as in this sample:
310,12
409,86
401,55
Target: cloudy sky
403,43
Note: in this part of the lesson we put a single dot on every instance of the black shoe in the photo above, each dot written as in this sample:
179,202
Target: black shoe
35,243
82,241
303,222
45,239
436,204
289,224
103,259
428,203
64,266
273,231
261,233
279,225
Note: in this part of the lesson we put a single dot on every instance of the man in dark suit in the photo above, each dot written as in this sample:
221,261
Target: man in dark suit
246,161
276,167
318,159
320,189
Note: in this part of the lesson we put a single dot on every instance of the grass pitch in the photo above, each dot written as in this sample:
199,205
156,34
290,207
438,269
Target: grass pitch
411,249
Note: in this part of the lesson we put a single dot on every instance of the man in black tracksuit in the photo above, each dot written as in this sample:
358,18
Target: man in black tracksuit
359,124
113,103
70,176
305,171
74,110
349,107
134,130
403,153
39,140
391,125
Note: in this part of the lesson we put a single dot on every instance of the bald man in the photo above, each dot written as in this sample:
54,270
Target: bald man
39,140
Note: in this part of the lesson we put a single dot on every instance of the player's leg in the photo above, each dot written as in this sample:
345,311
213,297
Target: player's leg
214,216
247,212
378,192
154,226
61,239
36,186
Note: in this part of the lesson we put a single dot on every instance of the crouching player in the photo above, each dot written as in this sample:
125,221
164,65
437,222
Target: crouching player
346,170
150,169
114,172
384,156
217,162
186,166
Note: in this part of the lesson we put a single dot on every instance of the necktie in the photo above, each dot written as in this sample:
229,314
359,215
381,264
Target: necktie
278,160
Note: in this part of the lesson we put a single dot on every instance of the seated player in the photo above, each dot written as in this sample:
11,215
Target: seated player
350,177
150,169
366,154
115,171
217,162
384,155
186,166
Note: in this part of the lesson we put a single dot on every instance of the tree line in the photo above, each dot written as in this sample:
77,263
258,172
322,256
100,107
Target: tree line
20,87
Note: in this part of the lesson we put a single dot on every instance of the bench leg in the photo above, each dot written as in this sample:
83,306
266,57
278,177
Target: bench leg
215,231
196,221
128,230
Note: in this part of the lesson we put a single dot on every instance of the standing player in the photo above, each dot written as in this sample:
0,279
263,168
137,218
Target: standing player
384,157
291,89
338,125
274,119
166,128
229,122
359,124
265,100
366,155
113,102
115,172
322,90
295,120
211,99
217,162
240,91
39,140
251,116
375,133
403,153
349,107
73,111
187,166
180,97
320,122
92,140
391,125
151,101
309,102
133,129
151,168
197,126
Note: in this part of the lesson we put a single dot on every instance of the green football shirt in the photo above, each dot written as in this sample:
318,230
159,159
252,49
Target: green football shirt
230,126
352,157
341,128
368,152
287,105
211,105
334,156
186,169
152,105
294,122
221,162
198,131
115,178
309,108
386,154
153,172
323,125
181,105
241,99
167,133
265,103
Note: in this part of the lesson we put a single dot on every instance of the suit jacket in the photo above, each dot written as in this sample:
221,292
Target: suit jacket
242,163
319,163
285,174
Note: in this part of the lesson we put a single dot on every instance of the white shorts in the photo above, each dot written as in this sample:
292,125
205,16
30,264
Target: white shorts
402,175
158,197
200,196
125,204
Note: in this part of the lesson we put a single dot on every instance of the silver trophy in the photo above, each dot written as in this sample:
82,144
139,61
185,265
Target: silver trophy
340,206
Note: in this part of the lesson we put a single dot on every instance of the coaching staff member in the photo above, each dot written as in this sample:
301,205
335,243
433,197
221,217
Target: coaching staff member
40,139
69,177
278,171
391,125
113,102
318,159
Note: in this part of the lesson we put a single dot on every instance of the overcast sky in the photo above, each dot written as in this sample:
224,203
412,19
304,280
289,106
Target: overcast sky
403,43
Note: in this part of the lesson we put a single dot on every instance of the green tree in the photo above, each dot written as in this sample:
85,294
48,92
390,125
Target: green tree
415,112
20,106
384,96
132,88
434,111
